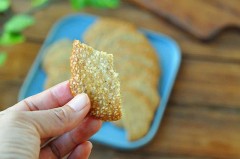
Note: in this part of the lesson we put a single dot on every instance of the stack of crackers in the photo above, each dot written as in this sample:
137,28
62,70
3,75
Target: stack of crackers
134,59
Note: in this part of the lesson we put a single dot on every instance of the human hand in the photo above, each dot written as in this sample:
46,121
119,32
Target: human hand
49,125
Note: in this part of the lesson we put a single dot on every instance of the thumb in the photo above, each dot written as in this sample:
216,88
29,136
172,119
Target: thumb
54,122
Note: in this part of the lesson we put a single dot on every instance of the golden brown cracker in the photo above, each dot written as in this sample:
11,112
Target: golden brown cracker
141,90
57,75
137,72
120,34
138,67
92,73
57,54
137,116
124,55
145,90
118,123
56,62
128,46
103,27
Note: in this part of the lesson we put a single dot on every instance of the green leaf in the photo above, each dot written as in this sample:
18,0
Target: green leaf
104,3
11,38
4,5
3,58
37,3
78,4
18,23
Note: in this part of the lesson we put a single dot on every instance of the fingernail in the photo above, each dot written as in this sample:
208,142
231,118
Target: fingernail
96,123
90,144
79,102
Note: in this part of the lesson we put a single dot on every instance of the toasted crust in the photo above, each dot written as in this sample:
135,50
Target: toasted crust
92,73
138,67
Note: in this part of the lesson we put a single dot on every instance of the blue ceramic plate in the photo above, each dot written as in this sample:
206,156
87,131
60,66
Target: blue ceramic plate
73,27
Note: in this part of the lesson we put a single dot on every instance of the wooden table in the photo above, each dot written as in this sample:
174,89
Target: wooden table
202,119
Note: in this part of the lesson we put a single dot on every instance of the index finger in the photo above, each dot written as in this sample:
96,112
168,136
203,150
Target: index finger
56,96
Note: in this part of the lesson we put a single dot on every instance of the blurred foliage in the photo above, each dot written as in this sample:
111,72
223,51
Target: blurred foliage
12,29
18,23
8,38
78,4
4,5
104,3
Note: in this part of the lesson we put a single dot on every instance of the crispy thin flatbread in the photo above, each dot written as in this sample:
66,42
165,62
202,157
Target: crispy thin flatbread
92,73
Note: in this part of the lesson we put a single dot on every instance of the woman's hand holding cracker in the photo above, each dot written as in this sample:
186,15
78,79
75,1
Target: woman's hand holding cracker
51,124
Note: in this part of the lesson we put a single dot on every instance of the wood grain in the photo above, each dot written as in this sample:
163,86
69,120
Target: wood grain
203,19
208,83
226,46
198,130
13,72
190,131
